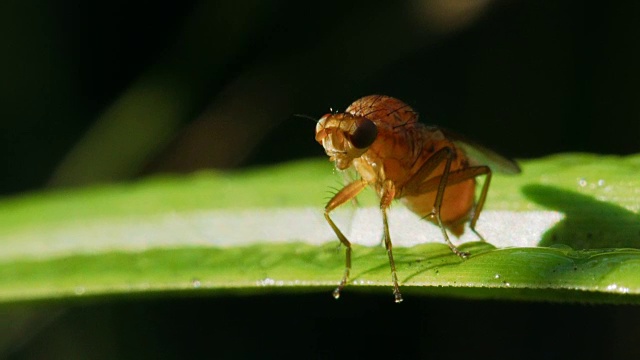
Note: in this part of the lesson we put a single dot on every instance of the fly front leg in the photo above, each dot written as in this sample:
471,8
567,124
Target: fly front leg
347,193
388,194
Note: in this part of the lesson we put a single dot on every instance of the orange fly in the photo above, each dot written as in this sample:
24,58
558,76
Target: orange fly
432,171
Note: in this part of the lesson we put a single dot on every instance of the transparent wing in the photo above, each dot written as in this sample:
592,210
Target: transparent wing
481,155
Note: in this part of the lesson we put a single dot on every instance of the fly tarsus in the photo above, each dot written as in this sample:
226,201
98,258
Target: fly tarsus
345,277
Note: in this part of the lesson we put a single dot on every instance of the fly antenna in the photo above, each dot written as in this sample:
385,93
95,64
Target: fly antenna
306,117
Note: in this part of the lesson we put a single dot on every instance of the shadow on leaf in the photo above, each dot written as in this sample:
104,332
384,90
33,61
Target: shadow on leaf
588,223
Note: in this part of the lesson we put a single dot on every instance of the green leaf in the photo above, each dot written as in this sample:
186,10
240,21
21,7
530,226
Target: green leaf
567,229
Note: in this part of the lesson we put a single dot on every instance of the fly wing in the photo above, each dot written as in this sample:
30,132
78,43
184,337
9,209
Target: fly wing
481,155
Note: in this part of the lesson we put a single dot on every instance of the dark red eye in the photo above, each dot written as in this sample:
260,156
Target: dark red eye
365,133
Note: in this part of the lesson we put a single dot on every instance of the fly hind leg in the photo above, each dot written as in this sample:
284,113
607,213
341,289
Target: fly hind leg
456,177
417,185
483,197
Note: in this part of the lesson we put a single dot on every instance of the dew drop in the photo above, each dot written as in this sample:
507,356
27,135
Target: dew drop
497,276
195,283
79,290
582,182
266,282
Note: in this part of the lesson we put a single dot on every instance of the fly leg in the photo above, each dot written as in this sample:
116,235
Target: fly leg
347,193
388,194
448,156
348,176
482,170
416,186
439,183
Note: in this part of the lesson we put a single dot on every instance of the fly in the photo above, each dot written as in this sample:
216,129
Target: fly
431,170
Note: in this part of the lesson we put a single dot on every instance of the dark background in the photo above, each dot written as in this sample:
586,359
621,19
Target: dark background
215,84
528,78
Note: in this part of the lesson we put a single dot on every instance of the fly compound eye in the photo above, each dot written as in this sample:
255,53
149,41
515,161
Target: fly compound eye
365,133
